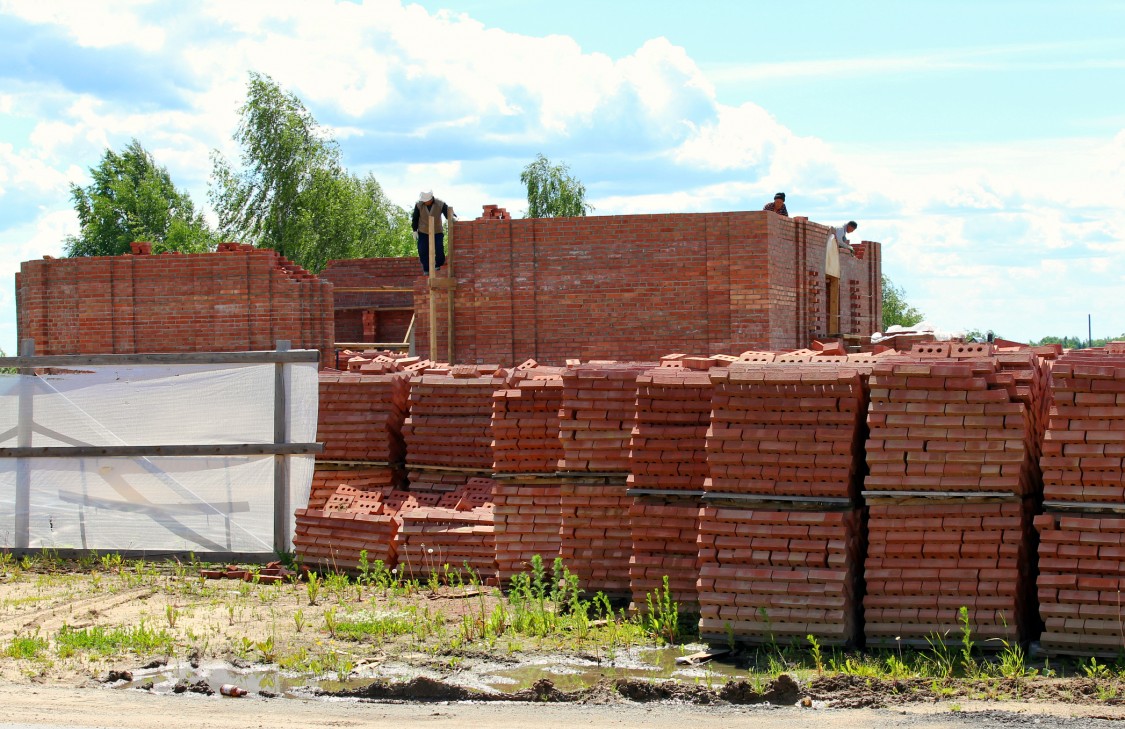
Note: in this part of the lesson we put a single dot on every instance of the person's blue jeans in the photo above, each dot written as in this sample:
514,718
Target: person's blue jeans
424,251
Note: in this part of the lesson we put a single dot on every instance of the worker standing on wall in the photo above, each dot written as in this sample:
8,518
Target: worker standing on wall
426,209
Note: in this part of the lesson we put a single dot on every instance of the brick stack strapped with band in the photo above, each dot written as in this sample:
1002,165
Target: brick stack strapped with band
449,453
526,451
952,489
596,424
780,535
1082,533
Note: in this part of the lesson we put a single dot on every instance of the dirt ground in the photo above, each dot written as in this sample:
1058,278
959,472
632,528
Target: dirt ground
187,635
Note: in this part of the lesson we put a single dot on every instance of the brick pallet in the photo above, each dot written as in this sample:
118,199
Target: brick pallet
1081,548
458,531
525,423
665,533
1085,440
927,558
950,426
528,521
597,414
771,573
372,478
596,542
361,417
450,419
667,445
1081,578
351,520
667,452
791,429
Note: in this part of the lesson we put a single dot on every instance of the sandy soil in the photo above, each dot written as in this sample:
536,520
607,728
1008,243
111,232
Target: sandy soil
220,629
68,707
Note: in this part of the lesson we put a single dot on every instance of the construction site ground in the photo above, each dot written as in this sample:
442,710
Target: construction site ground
127,641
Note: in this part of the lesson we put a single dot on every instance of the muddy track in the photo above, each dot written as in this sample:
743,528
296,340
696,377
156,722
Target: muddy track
71,611
838,692
783,691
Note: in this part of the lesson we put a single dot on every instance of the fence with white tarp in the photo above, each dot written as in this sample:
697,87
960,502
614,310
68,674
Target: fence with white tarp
156,453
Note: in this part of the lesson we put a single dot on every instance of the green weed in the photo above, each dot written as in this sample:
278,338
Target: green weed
139,640
662,618
27,647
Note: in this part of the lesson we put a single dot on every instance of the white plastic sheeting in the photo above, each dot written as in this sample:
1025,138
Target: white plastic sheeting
157,503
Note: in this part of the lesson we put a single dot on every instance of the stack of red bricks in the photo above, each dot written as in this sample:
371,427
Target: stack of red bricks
1085,440
596,542
326,481
450,419
361,417
360,422
667,452
331,536
1081,578
596,418
525,422
667,447
526,446
926,559
596,424
1082,537
790,431
946,425
787,429
528,521
456,531
1031,385
774,574
960,431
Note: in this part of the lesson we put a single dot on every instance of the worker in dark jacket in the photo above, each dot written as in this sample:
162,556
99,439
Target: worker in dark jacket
778,205
427,209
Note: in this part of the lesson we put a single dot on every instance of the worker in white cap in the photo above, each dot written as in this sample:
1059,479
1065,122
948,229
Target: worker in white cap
429,209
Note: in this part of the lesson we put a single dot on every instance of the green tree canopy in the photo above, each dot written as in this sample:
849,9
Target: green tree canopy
895,308
552,192
131,199
1079,342
293,194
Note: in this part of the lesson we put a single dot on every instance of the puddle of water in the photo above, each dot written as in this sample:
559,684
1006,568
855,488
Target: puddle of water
572,674
567,673
255,680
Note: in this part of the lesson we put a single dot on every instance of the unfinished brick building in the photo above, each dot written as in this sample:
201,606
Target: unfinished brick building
621,287
237,299
640,286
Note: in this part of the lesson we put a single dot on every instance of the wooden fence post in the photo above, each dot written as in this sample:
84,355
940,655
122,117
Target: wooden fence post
281,505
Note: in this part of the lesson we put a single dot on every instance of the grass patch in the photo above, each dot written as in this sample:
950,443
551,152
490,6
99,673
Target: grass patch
27,647
368,625
140,640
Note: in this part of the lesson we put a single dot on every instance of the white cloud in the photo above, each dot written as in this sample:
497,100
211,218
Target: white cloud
92,24
25,171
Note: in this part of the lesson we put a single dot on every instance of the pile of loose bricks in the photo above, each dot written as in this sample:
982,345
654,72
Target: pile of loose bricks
859,498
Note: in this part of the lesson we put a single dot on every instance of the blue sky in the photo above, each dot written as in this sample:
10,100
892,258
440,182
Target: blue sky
983,143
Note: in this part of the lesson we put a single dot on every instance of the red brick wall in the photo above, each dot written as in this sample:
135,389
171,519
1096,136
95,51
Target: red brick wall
236,300
388,325
637,287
